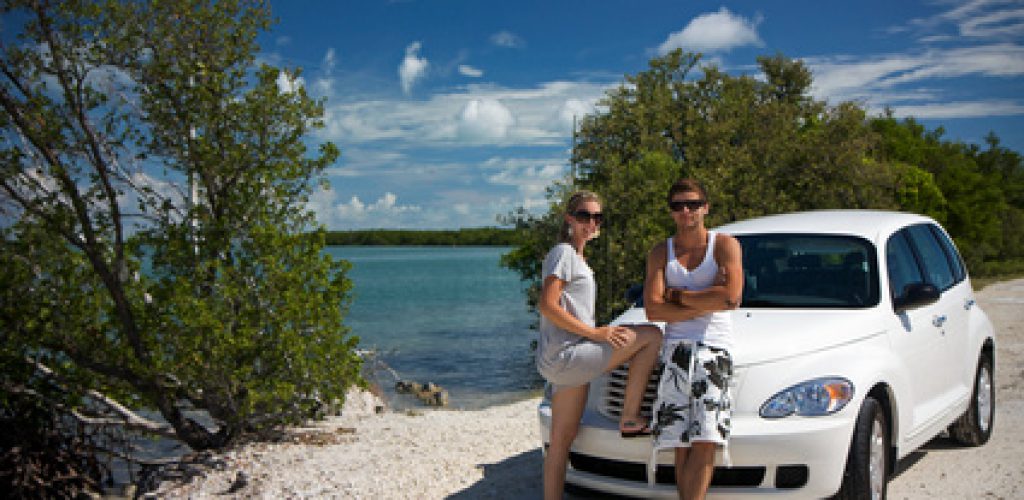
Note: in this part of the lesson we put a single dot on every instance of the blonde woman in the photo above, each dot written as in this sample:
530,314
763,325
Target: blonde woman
573,350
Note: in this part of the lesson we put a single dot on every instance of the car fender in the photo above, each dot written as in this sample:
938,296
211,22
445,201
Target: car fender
866,363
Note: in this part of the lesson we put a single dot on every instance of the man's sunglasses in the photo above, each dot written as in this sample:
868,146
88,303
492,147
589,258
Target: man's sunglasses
582,216
690,204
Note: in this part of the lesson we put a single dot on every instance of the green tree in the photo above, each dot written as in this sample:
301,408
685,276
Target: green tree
111,277
974,185
759,145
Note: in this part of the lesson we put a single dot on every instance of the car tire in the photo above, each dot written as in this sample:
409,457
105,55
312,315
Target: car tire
974,427
867,465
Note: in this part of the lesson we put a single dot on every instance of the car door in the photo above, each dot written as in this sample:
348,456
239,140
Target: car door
917,339
944,269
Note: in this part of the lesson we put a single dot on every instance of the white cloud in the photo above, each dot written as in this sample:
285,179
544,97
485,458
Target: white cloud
507,39
968,109
851,78
572,111
329,61
355,212
286,83
531,178
413,67
978,19
485,119
716,31
467,70
540,115
994,25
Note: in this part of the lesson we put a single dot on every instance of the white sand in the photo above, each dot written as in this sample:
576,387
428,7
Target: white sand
494,453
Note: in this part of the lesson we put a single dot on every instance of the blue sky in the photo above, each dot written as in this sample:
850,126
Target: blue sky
449,113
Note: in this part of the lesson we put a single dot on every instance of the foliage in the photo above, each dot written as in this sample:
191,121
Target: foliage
979,192
482,236
42,454
762,146
227,305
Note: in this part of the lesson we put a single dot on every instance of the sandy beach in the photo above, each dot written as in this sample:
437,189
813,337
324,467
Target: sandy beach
494,453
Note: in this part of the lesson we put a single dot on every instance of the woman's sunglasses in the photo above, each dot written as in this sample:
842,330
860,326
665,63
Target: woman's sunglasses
582,216
676,206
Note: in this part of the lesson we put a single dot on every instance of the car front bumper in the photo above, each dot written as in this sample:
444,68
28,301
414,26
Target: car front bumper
793,457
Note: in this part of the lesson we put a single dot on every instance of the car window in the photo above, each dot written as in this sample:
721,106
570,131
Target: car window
801,270
955,260
937,266
902,266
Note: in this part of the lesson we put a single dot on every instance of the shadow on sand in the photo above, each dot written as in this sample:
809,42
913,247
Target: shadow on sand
518,477
937,444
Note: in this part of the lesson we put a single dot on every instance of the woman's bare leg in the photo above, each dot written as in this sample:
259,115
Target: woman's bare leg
567,406
642,355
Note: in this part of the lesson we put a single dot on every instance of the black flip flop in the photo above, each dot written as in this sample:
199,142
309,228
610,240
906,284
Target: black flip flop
644,430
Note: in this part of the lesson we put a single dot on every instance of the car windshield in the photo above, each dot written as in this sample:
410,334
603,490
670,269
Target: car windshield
802,271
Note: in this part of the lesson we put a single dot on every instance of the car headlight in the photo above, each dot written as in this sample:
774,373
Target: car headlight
813,398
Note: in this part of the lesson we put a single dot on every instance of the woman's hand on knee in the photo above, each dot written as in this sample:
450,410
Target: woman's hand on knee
617,336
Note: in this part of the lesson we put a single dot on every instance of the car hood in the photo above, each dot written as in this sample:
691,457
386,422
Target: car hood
767,335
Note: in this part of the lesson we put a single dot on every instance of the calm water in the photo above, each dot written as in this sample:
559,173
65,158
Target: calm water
450,315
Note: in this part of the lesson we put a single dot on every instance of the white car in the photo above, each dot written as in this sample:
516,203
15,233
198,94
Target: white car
858,341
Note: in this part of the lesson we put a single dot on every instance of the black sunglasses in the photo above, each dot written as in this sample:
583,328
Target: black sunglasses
582,216
691,204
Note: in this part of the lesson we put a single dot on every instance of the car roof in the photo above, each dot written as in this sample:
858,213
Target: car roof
873,225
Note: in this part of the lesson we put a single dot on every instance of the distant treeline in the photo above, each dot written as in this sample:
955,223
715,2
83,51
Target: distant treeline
482,236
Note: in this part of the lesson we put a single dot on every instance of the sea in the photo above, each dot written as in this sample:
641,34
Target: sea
448,315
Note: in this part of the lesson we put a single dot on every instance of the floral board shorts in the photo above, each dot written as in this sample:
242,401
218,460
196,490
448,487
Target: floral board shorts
694,403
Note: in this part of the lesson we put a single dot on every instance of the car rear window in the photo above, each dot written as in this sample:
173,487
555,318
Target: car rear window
808,271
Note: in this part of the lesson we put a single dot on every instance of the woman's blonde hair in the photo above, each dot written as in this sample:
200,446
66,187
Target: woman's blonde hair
578,198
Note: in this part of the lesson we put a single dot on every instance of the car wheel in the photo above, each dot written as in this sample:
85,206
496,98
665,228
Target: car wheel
867,464
974,427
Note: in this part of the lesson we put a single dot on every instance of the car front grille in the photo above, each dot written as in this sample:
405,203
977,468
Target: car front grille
614,391
750,477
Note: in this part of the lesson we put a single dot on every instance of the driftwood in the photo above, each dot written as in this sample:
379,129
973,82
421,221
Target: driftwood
117,414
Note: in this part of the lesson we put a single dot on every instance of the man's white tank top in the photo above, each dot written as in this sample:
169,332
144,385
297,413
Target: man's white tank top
713,329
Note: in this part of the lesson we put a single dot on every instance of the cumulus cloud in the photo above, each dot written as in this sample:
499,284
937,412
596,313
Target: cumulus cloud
507,39
413,67
713,32
485,119
467,70
540,115
287,83
572,111
531,178
355,212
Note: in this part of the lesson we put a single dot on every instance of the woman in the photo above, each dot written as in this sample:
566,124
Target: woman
573,350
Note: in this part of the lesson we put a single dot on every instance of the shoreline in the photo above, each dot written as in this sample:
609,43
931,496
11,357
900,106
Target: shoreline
495,452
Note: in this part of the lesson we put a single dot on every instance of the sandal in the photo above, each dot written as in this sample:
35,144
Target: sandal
634,428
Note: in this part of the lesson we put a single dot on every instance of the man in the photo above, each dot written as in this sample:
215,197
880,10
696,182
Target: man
693,279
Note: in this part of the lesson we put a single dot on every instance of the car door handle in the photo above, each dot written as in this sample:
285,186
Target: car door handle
969,303
939,320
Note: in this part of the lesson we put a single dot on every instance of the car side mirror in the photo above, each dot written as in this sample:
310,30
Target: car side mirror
635,295
916,295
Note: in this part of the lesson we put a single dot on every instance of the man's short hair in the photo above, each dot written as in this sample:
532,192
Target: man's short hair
687,185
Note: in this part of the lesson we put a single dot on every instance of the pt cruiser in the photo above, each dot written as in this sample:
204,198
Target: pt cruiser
858,340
